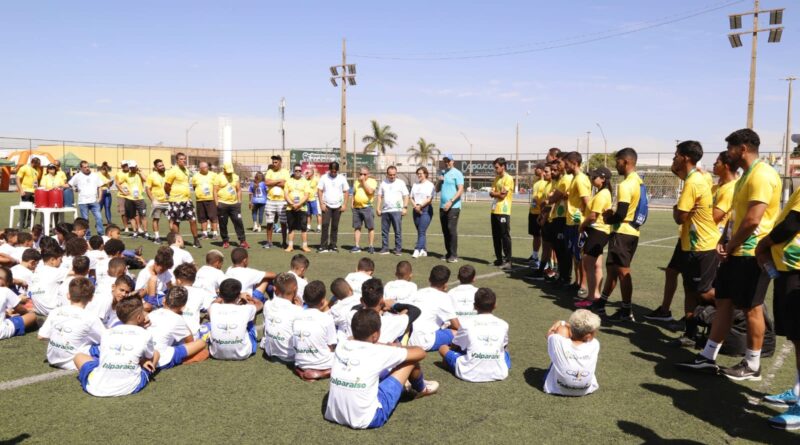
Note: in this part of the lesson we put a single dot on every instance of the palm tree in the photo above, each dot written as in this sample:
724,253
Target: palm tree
381,138
423,152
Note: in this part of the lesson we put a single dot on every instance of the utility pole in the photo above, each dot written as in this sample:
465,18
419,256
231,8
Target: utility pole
355,162
516,157
187,132
786,152
588,133
348,75
775,18
470,159
283,122
605,146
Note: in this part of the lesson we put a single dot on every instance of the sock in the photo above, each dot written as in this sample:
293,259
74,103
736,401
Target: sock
291,244
536,256
602,301
711,350
419,383
305,244
753,358
796,388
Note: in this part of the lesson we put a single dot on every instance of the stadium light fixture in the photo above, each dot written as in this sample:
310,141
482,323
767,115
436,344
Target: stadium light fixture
735,39
351,80
351,68
334,71
776,17
333,81
775,35
736,21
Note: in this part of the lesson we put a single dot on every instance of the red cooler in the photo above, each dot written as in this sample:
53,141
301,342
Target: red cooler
56,198
41,198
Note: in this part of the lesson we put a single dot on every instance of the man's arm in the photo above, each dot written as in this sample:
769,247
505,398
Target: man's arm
679,216
786,230
755,211
612,217
455,324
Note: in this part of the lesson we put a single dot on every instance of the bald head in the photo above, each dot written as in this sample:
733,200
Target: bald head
204,167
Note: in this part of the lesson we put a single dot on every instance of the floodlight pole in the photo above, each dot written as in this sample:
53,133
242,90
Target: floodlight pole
605,146
786,172
470,159
588,134
516,158
283,123
751,95
343,144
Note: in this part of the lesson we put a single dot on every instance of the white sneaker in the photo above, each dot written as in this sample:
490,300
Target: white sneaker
431,387
415,254
255,227
423,253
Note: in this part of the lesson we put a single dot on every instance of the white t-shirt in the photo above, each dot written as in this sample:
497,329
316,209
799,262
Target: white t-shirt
21,272
484,338
279,316
8,300
401,291
392,194
314,332
95,257
44,290
422,191
463,297
249,277
437,308
100,306
208,278
87,186
355,376
333,189
101,269
63,290
121,349
70,330
199,301
180,256
355,280
7,249
301,284
393,326
572,368
341,312
168,329
232,333
18,251
164,278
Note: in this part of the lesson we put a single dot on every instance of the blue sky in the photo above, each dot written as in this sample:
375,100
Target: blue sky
141,72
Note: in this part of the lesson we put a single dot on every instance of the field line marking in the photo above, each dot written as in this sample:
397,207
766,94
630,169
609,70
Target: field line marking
777,364
653,241
11,384
658,245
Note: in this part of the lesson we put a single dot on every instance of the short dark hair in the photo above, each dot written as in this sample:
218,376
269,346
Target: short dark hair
80,224
155,163
96,242
424,171
403,269
726,160
176,297
485,299
314,293
31,255
124,279
391,167
9,276
113,247
333,166
574,156
116,264
186,272
340,288
54,252
171,237
179,154
627,153
366,265
47,242
372,292
238,255
466,274
365,323
24,237
75,247
164,257
80,265
439,276
276,158
229,290
128,307
284,281
692,150
745,136
81,290
554,151
299,260
214,255
501,161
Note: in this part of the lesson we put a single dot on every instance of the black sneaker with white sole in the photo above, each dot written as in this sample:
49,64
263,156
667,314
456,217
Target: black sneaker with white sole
741,372
700,363
659,315
621,316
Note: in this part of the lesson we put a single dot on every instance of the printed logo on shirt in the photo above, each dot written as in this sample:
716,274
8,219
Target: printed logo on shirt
351,385
227,327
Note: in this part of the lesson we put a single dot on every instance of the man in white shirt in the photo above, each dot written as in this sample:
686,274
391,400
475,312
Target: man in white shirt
249,278
88,184
437,309
279,315
333,193
392,205
573,351
314,334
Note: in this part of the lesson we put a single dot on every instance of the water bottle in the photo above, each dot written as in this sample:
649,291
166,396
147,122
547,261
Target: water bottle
769,267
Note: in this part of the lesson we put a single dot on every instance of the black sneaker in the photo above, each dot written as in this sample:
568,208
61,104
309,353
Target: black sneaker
333,249
700,363
320,249
622,315
498,263
742,372
535,275
197,244
660,315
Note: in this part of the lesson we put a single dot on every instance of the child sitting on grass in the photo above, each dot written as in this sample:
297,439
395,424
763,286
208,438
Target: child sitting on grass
80,269
233,336
299,267
249,278
463,295
314,335
402,289
279,316
154,280
174,340
364,271
46,281
198,300
23,272
437,309
15,319
573,351
395,320
210,275
127,355
479,350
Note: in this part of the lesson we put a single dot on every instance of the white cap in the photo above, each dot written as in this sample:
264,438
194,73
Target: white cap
124,162
132,164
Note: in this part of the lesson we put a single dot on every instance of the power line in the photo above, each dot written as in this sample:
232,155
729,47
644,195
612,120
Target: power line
559,43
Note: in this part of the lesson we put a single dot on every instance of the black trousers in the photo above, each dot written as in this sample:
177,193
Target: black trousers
501,237
449,220
234,212
330,219
25,217
561,249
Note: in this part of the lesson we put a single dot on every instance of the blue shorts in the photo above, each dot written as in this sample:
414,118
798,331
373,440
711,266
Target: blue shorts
94,351
88,367
156,301
573,241
313,208
251,332
177,357
443,337
389,392
19,325
452,356
258,295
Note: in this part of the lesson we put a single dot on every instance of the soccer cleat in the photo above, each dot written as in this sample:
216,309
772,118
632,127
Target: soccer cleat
384,252
659,314
157,240
741,372
700,363
371,250
355,249
784,399
204,333
244,245
790,420
431,388
622,315
226,244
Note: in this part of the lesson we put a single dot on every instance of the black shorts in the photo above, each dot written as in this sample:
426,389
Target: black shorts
741,280
699,269
595,242
534,228
677,260
134,208
181,211
296,220
786,305
621,249
206,211
553,229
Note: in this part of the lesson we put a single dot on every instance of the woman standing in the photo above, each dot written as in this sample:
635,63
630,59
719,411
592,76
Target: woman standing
51,180
105,193
421,196
597,233
258,199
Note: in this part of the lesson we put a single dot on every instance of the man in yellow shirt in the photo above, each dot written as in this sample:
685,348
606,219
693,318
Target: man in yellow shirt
740,282
228,202
158,196
296,194
502,194
312,176
534,228
176,184
557,220
135,205
120,177
28,177
203,184
364,189
578,196
275,179
624,238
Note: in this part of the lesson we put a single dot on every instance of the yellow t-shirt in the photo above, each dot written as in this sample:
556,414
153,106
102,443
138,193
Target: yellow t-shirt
559,209
27,178
500,183
276,193
723,200
178,179
763,184
61,176
599,203
226,188
155,182
50,182
698,233
120,178
106,179
580,187
203,185
312,185
538,196
135,187
786,256
628,191
298,189
360,197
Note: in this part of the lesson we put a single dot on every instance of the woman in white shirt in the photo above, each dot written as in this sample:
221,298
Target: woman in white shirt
421,196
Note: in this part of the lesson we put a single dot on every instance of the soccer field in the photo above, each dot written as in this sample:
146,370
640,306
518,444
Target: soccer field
642,398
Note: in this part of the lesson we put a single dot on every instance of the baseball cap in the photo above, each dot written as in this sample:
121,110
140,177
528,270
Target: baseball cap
133,164
227,167
600,172
448,156
124,162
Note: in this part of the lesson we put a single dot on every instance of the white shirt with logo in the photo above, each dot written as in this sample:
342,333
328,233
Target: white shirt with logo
393,326
8,300
392,194
208,278
199,300
119,372
401,291
437,308
333,189
341,313
44,290
279,317
484,338
70,330
168,329
164,278
230,330
249,277
21,272
314,331
572,368
355,280
463,297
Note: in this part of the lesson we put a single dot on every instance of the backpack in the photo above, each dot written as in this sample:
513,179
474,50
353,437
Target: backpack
640,217
736,341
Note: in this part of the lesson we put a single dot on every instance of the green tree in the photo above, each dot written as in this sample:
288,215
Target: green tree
423,152
381,138
601,160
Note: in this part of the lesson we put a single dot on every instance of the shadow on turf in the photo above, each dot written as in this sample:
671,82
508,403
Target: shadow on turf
535,377
649,436
15,440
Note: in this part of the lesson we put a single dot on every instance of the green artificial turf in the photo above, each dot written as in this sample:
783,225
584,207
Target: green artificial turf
642,398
